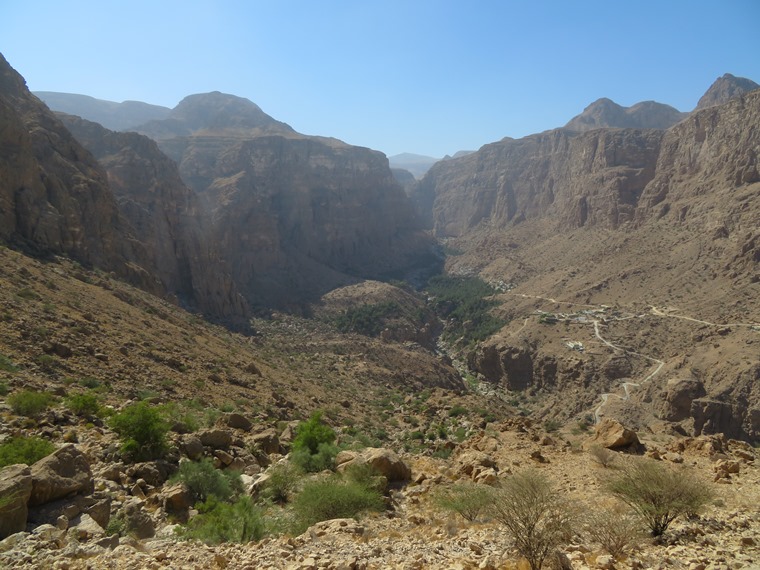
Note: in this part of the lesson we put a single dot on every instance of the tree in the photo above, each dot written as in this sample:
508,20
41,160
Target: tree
659,494
142,430
534,514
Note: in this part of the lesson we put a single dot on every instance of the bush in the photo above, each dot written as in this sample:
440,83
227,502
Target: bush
204,481
534,515
6,365
282,483
29,403
220,522
333,498
313,448
466,499
601,455
659,494
24,450
614,530
4,389
142,430
85,405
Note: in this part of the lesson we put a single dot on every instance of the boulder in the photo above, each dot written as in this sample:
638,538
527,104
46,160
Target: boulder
613,435
137,521
267,441
176,500
384,461
237,421
15,489
679,397
85,527
192,447
64,472
215,438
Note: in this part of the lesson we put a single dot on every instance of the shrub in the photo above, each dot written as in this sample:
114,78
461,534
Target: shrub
85,405
313,448
29,403
466,499
333,498
614,530
601,455
659,494
220,522
282,483
457,410
142,430
204,481
368,320
534,515
24,450
6,365
4,389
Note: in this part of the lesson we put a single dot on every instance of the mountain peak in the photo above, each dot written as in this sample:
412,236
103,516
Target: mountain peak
724,89
216,110
605,113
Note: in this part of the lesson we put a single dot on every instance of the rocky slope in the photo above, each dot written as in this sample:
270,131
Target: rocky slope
624,219
724,89
605,113
112,115
294,215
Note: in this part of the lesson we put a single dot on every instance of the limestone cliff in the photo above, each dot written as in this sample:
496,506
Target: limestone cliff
165,215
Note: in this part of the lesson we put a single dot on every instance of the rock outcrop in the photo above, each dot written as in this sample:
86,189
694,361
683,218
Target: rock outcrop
605,113
64,472
15,489
724,89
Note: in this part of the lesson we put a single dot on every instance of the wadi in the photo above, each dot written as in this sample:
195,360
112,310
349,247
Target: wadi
228,344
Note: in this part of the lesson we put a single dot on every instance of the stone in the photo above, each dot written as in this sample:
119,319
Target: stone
613,435
679,397
64,472
176,500
223,456
192,447
137,521
15,488
215,438
84,527
267,441
238,421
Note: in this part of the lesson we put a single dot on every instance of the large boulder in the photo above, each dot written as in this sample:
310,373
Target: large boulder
64,472
267,441
15,489
613,435
215,438
384,461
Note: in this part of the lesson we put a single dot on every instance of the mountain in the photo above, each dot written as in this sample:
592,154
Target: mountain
417,164
724,89
112,115
647,228
605,113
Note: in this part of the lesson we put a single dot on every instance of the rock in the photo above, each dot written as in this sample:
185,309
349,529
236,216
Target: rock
224,457
215,438
154,473
237,421
267,441
64,472
473,462
84,528
15,488
176,500
613,435
383,461
679,397
137,521
192,447
605,562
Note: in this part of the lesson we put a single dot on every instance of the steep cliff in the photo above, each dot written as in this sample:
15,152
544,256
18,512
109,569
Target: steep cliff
294,215
165,215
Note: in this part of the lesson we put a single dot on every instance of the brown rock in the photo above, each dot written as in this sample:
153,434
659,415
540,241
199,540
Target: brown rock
613,435
15,490
215,438
137,520
267,441
192,447
237,421
63,472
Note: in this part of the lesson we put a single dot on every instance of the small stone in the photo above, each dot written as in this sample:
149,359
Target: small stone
747,541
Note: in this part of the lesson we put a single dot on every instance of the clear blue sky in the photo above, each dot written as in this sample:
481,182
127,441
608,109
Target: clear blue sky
424,76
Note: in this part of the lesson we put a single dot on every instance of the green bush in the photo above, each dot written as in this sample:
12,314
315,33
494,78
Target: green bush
24,450
4,389
218,522
85,405
142,430
6,365
313,448
466,499
204,481
333,498
658,494
282,483
368,320
29,402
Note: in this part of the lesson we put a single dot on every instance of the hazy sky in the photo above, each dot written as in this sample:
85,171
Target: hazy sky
424,76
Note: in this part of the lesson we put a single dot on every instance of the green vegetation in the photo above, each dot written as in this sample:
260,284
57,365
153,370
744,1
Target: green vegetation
332,498
313,449
6,365
24,450
534,515
28,294
84,405
366,319
463,302
4,389
142,430
204,481
29,402
282,483
466,499
218,522
658,494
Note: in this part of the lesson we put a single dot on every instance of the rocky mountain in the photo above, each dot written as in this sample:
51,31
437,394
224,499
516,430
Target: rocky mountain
110,114
417,164
605,113
294,215
566,222
724,89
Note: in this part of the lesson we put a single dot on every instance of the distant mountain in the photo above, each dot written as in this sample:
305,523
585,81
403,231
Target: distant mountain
605,113
417,164
726,88
405,178
112,115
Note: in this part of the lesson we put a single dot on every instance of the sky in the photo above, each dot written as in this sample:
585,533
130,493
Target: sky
430,77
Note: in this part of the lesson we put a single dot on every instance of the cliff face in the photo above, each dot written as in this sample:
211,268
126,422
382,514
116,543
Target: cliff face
594,178
54,196
164,213
294,215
